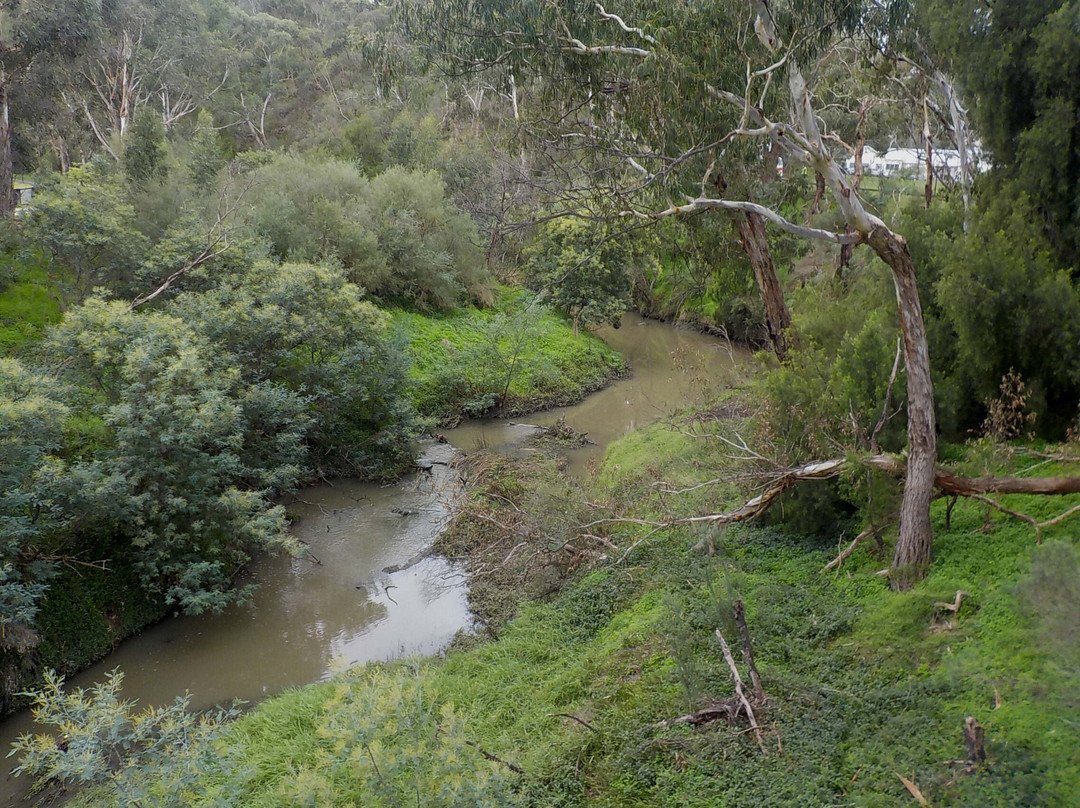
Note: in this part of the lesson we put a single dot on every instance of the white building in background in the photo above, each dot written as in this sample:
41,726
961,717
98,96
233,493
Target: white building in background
911,163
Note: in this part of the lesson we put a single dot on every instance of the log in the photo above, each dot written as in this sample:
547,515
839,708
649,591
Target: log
714,712
957,485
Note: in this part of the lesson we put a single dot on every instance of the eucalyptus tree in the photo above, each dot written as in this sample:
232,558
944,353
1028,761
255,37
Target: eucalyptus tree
665,99
625,108
29,31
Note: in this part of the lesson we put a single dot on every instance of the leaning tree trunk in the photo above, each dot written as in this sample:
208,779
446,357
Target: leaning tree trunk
914,544
7,172
751,230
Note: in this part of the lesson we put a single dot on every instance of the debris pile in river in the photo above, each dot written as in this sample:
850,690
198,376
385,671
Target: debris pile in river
563,434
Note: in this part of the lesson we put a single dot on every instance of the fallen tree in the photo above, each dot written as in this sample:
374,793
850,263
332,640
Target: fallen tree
947,483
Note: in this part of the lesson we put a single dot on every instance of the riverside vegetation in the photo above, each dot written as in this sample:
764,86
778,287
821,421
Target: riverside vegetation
564,702
271,243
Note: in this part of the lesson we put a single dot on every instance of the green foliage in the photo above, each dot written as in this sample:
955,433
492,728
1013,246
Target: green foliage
586,268
364,141
184,475
429,254
396,235
31,432
517,356
145,149
88,231
205,156
702,278
1049,594
302,331
832,388
27,306
999,304
389,740
1020,66
160,756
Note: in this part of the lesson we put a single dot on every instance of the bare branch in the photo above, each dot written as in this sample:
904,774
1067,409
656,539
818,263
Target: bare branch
217,242
618,21
739,694
695,205
885,404
580,48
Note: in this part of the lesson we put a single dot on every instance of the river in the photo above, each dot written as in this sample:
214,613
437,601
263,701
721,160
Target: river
311,617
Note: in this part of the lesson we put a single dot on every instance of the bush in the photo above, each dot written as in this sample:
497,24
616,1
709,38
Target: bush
161,756
186,469
585,268
396,236
302,330
997,304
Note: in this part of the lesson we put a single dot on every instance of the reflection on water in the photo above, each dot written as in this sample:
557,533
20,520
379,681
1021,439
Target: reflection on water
671,368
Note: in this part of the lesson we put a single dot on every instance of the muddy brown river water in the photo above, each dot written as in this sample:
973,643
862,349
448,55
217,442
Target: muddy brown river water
311,617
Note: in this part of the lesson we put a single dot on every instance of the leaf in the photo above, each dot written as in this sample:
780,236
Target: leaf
913,789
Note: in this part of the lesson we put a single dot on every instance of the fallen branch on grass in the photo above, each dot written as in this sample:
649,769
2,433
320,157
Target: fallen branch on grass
949,484
740,705
872,530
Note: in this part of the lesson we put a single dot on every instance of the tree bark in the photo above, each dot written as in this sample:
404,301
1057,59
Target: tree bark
915,541
7,171
751,230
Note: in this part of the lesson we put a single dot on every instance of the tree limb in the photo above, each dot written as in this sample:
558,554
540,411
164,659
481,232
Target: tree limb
703,203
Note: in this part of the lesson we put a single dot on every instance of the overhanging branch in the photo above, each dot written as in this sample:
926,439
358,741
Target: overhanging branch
703,203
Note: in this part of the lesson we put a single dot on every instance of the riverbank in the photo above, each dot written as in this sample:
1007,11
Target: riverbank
576,702
513,358
476,356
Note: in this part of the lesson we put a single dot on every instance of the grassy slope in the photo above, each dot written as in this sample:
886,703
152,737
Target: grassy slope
461,361
27,308
861,687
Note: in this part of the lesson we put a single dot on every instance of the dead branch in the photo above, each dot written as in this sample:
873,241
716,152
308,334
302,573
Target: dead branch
874,447
581,721
953,607
748,652
842,556
1060,517
217,242
714,712
739,694
913,790
494,758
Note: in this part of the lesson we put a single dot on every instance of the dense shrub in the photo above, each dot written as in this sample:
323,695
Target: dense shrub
304,330
396,235
997,303
190,456
585,268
